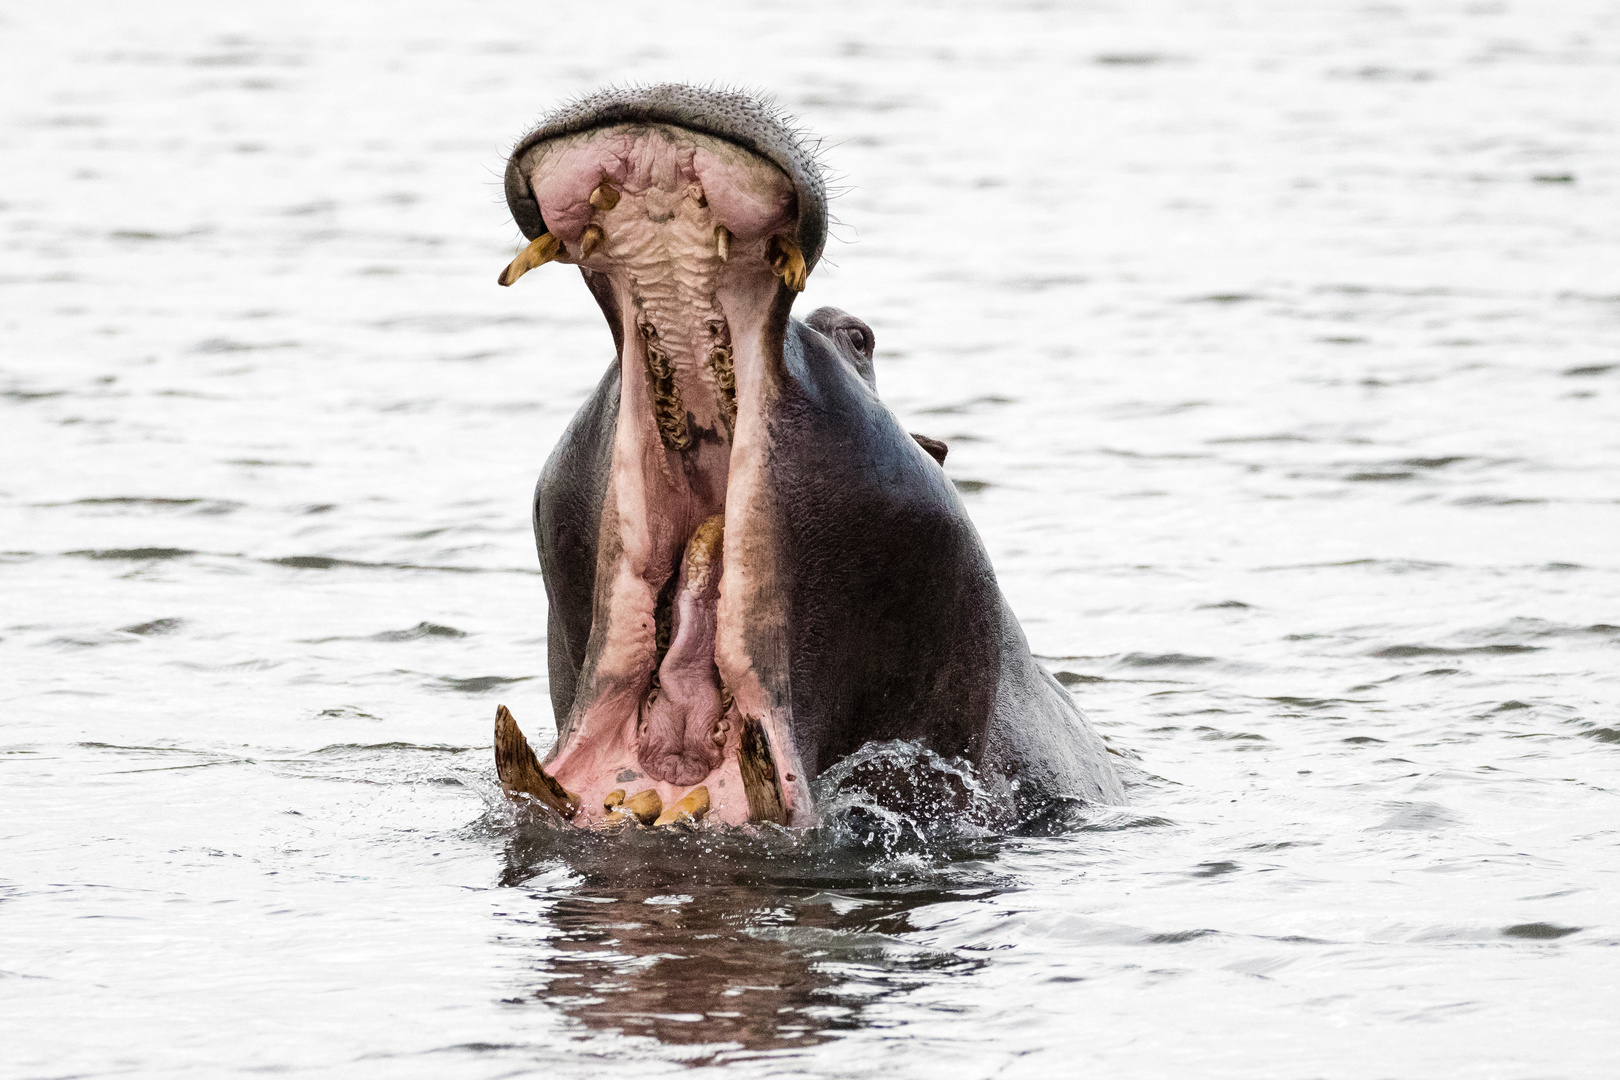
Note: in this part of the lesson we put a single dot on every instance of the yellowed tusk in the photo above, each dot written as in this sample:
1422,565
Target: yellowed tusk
692,807
788,262
591,240
545,248
614,799
520,771
722,242
760,782
605,197
644,806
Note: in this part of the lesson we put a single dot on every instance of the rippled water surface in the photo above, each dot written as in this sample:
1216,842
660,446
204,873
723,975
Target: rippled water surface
1278,349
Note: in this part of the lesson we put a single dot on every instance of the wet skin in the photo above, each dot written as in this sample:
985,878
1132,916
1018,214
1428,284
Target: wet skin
752,568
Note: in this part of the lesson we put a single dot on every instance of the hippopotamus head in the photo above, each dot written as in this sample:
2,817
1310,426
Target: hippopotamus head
752,569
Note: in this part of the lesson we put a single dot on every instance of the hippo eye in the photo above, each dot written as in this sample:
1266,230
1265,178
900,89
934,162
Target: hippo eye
857,339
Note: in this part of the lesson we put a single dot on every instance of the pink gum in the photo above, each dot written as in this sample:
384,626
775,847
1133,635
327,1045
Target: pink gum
563,185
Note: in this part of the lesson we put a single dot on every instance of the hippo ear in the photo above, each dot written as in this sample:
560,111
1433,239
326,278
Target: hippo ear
936,447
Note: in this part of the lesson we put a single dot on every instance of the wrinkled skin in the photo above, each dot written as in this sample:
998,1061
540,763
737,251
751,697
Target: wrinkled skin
747,585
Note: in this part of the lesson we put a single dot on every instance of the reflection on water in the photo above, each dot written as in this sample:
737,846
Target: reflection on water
720,943
726,944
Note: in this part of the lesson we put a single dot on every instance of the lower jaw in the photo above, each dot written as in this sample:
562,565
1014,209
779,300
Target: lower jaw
670,748
602,785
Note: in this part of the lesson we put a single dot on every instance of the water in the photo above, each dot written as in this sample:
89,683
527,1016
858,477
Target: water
1278,348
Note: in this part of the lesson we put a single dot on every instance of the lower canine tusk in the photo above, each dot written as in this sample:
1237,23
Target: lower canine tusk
760,782
520,770
722,242
545,248
788,262
692,807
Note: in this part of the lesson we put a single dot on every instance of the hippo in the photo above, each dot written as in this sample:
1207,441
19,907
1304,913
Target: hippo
752,569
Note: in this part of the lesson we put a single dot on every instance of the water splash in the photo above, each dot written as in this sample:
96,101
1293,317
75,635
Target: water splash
900,796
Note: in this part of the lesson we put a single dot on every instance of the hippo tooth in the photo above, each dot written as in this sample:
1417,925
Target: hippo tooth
760,784
545,248
591,240
644,806
614,799
692,807
788,262
605,197
722,242
520,770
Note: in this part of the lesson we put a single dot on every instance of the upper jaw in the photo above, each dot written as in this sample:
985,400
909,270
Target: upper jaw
734,119
692,238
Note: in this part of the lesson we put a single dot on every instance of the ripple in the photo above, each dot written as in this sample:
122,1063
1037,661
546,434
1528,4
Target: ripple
1143,59
1523,626
1539,931
318,562
231,345
1410,652
1379,477
1178,937
1242,439
481,683
1179,660
141,554
1213,869
1211,734
1387,566
1416,817
195,505
1315,703
155,628
419,631
969,406
332,562
352,749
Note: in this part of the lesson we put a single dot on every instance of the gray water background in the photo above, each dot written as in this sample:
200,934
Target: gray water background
1278,350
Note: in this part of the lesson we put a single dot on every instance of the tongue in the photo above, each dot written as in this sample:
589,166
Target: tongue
682,728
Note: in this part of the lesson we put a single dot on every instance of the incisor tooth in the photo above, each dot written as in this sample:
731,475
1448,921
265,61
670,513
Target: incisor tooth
614,799
591,240
788,262
545,248
722,242
644,806
693,807
605,197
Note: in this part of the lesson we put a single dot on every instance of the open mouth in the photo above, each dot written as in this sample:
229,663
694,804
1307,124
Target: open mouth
695,247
